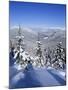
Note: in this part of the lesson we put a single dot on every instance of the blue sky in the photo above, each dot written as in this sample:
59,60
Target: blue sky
37,14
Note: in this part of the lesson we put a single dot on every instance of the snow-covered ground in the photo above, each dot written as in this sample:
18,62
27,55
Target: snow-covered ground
35,77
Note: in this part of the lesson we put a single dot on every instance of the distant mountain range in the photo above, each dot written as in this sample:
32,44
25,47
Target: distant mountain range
48,37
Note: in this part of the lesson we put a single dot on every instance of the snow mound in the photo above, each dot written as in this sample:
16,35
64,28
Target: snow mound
62,73
17,77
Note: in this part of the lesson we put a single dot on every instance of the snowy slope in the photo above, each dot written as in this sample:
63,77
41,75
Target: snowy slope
35,77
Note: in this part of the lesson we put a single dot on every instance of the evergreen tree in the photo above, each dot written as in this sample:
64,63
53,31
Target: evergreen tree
39,51
48,54
60,56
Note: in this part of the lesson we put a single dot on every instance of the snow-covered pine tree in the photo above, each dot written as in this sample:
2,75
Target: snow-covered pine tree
39,51
59,56
48,58
21,56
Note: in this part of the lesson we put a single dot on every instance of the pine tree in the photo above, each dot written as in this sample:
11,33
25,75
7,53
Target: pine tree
20,46
39,51
60,56
48,54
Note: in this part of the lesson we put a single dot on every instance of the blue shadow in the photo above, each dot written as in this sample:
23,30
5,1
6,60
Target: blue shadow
59,79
